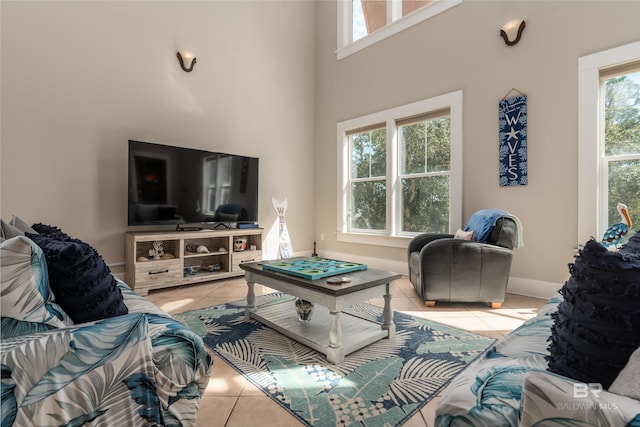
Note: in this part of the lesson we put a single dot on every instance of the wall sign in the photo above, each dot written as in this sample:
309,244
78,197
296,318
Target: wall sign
513,140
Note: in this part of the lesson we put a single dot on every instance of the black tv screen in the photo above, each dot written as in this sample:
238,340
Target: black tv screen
175,185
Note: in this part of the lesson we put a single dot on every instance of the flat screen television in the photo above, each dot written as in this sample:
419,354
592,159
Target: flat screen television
176,185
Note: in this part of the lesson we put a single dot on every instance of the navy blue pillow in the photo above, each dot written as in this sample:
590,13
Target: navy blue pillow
597,325
51,231
632,246
80,279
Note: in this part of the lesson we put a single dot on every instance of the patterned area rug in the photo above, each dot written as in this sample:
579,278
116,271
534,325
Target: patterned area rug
383,384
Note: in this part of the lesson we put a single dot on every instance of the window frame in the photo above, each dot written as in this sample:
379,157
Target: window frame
592,213
346,45
392,236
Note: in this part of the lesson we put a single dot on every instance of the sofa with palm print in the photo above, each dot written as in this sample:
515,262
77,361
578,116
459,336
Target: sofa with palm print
136,367
576,363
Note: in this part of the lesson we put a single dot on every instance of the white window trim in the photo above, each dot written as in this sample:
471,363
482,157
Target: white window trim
345,25
590,129
391,238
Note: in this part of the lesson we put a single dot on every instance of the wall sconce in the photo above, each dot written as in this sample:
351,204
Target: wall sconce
512,31
187,61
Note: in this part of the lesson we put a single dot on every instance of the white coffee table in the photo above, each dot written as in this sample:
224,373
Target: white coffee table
330,331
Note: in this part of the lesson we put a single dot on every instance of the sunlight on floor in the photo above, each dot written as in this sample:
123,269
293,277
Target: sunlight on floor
175,306
222,385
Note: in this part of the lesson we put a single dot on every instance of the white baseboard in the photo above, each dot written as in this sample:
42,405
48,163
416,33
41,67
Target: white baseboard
532,288
517,285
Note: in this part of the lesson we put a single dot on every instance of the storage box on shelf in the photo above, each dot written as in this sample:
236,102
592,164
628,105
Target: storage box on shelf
185,257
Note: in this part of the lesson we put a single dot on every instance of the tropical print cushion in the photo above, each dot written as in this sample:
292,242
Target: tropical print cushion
102,374
488,392
25,293
148,369
182,363
628,381
553,400
11,327
8,231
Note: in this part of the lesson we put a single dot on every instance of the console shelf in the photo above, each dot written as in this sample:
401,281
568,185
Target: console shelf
177,266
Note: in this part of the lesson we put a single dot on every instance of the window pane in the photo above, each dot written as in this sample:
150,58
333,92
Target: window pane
409,6
359,157
426,146
622,114
425,204
369,154
375,14
413,140
359,27
368,205
624,187
379,152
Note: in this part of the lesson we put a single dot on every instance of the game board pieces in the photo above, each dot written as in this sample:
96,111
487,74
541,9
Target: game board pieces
313,268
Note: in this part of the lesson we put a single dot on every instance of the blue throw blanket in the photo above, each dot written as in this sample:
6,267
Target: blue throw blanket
483,221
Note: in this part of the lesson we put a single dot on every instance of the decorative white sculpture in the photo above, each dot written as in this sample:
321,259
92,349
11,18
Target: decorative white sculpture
286,249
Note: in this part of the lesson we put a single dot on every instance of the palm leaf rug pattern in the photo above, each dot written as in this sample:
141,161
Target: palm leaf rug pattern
383,384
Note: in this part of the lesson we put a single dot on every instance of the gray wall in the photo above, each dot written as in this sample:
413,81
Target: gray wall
81,78
461,49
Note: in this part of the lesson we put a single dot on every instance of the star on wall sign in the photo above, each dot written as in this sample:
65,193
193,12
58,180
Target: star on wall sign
513,134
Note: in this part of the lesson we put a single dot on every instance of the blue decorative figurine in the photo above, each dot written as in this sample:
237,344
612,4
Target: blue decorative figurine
617,231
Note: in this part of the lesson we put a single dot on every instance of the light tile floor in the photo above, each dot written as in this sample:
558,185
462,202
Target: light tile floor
232,401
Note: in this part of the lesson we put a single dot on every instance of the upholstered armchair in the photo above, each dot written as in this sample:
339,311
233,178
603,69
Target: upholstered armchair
445,268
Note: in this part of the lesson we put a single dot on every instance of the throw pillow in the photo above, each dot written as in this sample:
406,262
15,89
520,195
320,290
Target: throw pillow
11,328
464,235
632,246
9,231
597,325
81,281
21,225
25,291
628,381
51,231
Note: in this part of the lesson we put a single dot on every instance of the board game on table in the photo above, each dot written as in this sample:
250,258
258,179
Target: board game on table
313,268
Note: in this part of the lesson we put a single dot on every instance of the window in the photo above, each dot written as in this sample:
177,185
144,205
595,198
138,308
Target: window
362,23
609,138
425,168
620,172
368,179
401,172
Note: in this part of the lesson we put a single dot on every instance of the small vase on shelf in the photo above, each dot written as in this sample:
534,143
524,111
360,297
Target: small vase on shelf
304,309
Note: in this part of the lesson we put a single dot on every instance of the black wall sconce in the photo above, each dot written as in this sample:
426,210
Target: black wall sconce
187,61
511,32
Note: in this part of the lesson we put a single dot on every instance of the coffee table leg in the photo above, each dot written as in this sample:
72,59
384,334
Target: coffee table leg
387,313
251,301
335,351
